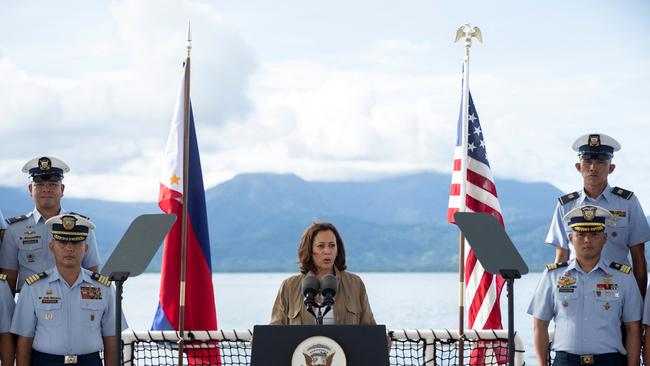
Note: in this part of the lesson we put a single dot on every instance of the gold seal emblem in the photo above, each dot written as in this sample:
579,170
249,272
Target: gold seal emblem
44,163
589,213
318,351
594,140
69,222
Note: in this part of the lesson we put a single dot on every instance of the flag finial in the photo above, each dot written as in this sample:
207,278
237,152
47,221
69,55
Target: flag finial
188,46
468,32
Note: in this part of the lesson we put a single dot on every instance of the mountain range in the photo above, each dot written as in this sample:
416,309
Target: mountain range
390,224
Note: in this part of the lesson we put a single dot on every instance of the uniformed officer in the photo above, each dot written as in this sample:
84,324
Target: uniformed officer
7,345
588,298
630,230
66,315
24,251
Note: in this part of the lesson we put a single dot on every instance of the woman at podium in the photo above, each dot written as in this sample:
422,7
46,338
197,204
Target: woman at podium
321,252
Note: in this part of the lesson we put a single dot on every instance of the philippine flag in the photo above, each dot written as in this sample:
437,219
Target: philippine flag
200,312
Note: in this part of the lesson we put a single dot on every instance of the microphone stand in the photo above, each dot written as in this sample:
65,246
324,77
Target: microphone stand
310,303
327,304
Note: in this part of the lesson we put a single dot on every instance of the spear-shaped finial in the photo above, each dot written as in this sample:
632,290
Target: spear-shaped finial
468,31
189,39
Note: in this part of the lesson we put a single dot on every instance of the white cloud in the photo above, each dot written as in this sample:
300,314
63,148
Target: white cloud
388,106
110,123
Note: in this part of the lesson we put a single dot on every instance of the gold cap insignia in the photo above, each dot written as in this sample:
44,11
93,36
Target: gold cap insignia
68,222
589,213
44,163
594,140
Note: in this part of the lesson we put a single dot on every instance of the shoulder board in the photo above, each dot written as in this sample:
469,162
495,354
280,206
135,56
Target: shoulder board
622,192
3,277
621,267
13,220
35,277
78,214
553,266
568,197
101,279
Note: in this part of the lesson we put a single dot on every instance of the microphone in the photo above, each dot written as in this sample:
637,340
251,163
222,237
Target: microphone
310,287
328,288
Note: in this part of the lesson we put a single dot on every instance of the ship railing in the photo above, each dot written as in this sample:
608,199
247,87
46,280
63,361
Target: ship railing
409,347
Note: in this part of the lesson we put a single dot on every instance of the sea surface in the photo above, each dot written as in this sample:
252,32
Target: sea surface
398,300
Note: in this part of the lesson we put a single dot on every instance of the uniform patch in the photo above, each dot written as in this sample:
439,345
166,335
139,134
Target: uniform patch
622,192
568,198
35,277
49,299
13,220
621,267
91,293
618,213
607,286
566,281
566,284
553,266
49,316
101,279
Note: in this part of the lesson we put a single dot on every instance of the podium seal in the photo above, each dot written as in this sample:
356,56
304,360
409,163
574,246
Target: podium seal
318,351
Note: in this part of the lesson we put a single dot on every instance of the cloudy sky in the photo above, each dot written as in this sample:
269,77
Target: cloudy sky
333,90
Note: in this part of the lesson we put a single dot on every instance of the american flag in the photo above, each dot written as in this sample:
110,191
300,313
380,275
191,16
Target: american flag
482,289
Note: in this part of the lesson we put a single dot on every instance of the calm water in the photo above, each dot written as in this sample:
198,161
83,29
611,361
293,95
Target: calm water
399,300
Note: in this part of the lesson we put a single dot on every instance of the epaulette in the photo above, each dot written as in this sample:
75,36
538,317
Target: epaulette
78,214
552,266
622,192
568,197
13,220
3,277
621,267
101,279
35,277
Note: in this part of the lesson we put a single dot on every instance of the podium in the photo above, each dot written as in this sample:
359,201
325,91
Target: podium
276,345
131,257
497,255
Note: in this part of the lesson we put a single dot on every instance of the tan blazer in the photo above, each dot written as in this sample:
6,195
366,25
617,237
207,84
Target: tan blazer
351,305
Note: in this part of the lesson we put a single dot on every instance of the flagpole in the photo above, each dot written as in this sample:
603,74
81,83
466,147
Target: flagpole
466,31
186,175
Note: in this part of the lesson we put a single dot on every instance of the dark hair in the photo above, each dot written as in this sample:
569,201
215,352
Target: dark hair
305,248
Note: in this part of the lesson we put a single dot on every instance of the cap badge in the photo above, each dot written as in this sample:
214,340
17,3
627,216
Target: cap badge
594,140
44,163
68,222
589,213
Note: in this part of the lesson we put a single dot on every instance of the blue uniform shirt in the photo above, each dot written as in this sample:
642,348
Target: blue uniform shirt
630,224
25,248
63,319
587,308
7,305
